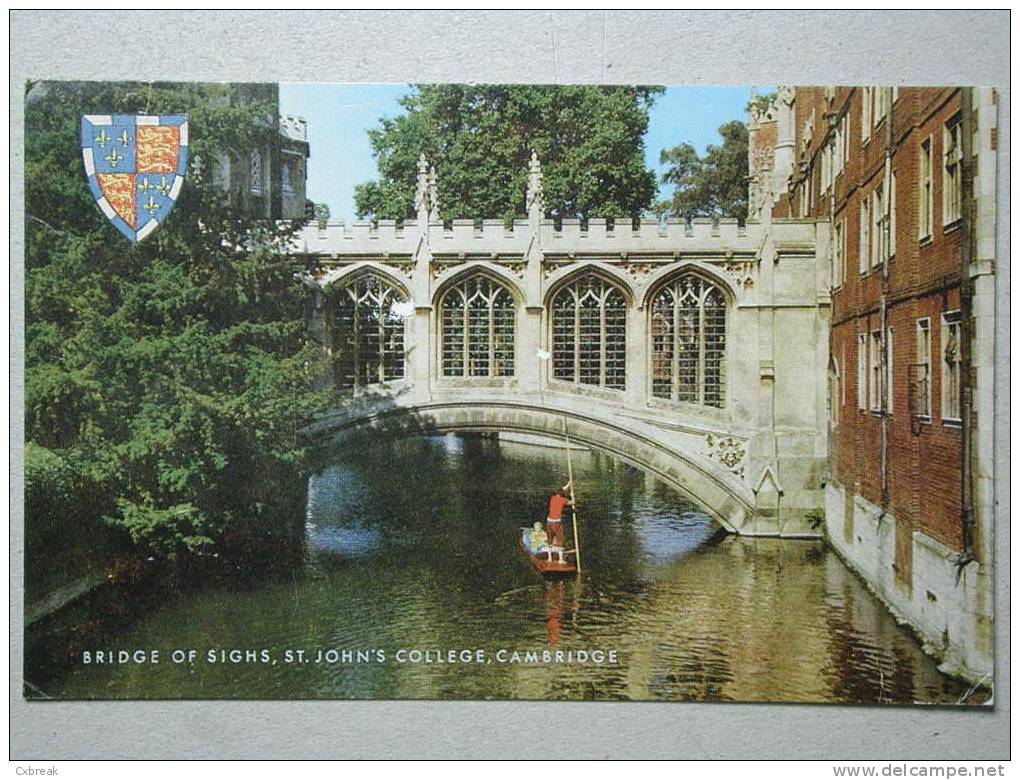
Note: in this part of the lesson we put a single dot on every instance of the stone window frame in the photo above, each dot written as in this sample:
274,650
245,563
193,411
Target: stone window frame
356,290
826,166
875,370
495,319
952,173
865,115
840,147
923,347
925,190
844,137
951,321
704,329
256,172
806,196
862,371
881,103
842,362
837,253
286,178
864,242
889,369
834,394
877,246
610,323
891,248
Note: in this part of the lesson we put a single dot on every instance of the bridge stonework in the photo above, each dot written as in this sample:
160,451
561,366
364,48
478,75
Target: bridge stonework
751,448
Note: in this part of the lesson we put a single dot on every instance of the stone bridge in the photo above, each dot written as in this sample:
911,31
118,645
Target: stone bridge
695,351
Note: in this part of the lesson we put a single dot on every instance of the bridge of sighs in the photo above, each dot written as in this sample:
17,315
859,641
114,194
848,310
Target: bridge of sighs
696,351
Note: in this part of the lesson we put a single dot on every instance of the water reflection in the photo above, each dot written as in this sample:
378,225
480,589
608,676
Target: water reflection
412,545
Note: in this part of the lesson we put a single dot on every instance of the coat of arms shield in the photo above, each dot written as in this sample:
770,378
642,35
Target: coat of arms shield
135,166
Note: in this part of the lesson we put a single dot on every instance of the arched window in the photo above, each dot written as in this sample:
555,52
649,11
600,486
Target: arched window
368,334
478,329
256,172
834,391
688,341
589,333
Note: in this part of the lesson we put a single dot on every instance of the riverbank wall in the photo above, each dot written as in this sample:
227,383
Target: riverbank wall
946,600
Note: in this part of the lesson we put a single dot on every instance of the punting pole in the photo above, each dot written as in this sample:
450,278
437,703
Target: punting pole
573,502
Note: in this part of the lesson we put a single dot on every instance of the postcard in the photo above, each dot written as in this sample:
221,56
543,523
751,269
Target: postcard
509,391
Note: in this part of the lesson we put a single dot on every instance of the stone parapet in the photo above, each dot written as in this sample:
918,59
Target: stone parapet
571,236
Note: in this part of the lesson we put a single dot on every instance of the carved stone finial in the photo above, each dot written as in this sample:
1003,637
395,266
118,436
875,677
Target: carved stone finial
421,190
534,196
433,195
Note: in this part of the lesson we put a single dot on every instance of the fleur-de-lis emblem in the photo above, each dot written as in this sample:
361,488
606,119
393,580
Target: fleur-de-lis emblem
135,166
113,158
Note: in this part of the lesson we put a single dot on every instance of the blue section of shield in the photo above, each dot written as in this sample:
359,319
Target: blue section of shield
94,186
125,228
113,145
111,141
153,199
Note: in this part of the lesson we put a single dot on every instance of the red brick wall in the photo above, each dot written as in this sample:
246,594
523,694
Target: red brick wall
923,458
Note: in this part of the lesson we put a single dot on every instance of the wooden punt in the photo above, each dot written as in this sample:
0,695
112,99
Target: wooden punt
546,564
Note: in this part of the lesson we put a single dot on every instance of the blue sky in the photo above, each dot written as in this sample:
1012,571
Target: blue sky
339,116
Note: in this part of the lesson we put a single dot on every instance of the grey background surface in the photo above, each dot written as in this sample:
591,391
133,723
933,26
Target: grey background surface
660,47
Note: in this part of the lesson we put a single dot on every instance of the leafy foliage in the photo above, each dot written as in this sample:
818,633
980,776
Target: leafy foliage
711,186
761,103
166,381
589,139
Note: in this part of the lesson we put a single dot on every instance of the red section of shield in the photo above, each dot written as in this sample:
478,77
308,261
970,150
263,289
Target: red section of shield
119,190
156,148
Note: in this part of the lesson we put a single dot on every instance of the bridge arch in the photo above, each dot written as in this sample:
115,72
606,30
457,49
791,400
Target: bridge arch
721,493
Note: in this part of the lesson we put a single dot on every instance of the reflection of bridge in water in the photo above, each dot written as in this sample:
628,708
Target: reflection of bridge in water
697,352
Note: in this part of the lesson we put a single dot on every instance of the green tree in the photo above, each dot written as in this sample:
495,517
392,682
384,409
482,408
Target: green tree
169,379
589,139
714,185
761,103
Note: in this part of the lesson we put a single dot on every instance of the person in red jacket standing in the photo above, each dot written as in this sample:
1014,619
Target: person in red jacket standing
554,517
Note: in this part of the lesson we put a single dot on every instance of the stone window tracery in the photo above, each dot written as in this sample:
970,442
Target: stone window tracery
255,173
368,341
688,341
478,329
589,333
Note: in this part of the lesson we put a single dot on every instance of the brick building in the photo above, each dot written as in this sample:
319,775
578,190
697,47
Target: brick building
905,180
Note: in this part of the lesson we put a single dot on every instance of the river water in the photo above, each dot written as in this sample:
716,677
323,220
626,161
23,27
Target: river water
411,554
